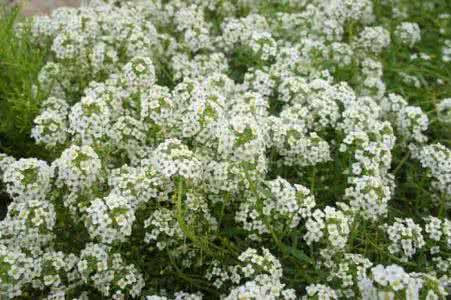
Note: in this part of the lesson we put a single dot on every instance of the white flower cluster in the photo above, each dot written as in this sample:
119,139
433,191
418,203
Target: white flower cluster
77,168
438,240
320,291
177,296
108,273
28,179
439,231
446,51
359,279
57,271
436,158
408,33
182,136
5,161
261,275
373,39
198,67
110,219
281,206
331,225
89,120
172,159
297,147
347,273
410,121
162,222
222,176
393,281
51,125
444,110
17,271
29,225
406,238
139,184
369,141
91,41
264,288
372,73
291,202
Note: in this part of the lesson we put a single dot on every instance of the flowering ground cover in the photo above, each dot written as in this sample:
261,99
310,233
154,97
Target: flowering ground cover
226,149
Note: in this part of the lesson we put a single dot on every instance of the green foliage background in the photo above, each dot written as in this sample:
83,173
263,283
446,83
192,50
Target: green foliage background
20,62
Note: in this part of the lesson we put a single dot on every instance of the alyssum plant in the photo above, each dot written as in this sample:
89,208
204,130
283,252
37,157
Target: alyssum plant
227,149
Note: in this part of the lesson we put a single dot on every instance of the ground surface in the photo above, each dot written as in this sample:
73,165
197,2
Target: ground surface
32,7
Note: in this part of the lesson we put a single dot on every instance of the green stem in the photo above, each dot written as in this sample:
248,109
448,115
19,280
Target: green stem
392,256
401,163
200,284
198,241
312,185
282,248
442,208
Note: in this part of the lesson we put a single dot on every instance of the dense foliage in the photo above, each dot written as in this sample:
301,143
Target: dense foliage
227,149
21,60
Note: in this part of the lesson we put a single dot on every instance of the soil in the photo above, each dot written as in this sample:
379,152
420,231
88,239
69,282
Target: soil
41,7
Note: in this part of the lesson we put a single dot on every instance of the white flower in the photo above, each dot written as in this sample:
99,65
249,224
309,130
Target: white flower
77,168
28,179
408,33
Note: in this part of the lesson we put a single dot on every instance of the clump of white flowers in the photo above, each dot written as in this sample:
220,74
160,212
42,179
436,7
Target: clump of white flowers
373,39
329,226
139,184
320,291
108,273
393,281
17,271
446,51
406,238
436,159
229,149
260,274
77,168
51,125
172,158
110,219
408,33
28,179
291,202
444,110
5,161
29,225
